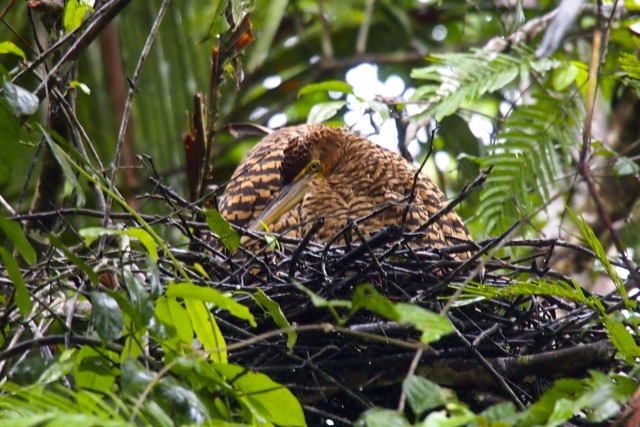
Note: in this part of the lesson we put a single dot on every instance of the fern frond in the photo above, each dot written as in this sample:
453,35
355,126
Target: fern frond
540,287
534,141
456,79
528,157
35,405
630,63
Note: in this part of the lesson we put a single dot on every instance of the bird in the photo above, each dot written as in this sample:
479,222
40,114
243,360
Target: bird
298,175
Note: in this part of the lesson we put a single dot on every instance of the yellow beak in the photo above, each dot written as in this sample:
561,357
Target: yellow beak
289,196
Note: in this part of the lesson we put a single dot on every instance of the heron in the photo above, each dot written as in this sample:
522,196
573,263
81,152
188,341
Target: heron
298,175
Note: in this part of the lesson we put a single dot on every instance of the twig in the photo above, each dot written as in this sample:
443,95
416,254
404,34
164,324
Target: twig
411,372
499,378
83,36
127,107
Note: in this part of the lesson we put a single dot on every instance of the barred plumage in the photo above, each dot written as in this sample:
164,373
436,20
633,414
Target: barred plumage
297,175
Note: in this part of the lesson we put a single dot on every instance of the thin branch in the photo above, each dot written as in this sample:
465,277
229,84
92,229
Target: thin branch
127,107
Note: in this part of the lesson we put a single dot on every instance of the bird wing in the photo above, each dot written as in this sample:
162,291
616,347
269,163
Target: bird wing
255,183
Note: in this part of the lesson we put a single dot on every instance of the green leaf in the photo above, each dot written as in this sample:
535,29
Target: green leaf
319,301
606,395
456,79
324,111
593,242
67,169
630,63
139,304
563,76
433,326
423,395
10,47
189,290
90,234
273,308
498,415
82,86
595,396
622,339
228,236
134,377
270,399
22,297
527,159
134,341
172,314
366,296
455,415
13,230
60,368
94,369
74,13
207,330
378,417
327,86
218,22
107,316
147,241
201,270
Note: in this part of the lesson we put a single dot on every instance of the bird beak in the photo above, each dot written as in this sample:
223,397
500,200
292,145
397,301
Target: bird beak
289,196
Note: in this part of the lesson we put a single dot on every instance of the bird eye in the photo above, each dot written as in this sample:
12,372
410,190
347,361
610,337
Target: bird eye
314,166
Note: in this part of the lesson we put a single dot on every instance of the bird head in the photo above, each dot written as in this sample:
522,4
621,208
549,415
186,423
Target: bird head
307,157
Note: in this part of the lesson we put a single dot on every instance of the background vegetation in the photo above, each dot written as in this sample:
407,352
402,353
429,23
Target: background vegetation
94,105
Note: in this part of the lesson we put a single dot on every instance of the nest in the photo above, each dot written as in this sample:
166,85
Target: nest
508,348
505,349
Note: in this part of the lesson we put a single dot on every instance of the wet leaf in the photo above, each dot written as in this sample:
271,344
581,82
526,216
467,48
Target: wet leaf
171,313
10,47
563,76
228,236
379,417
206,329
270,399
433,326
74,13
147,241
107,316
189,290
424,395
366,296
277,315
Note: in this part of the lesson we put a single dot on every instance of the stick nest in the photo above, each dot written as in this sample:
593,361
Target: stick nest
505,348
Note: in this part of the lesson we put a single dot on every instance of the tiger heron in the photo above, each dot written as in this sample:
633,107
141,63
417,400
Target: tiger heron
298,175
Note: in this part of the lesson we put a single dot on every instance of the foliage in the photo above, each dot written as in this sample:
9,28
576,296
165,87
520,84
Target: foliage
594,399
109,320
